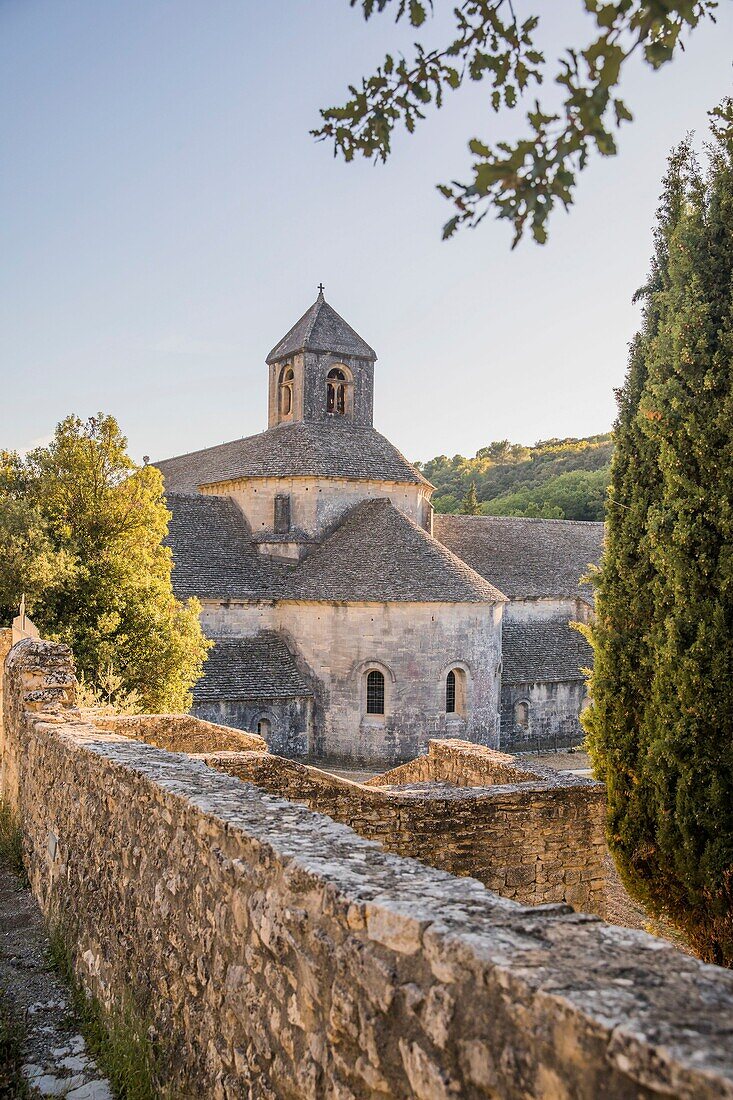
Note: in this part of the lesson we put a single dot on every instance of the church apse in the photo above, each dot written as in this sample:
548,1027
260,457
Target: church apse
318,533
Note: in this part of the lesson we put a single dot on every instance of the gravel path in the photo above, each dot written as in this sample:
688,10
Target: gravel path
56,1061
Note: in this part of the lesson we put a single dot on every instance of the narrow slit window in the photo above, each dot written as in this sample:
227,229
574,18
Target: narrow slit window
375,692
450,693
282,513
287,378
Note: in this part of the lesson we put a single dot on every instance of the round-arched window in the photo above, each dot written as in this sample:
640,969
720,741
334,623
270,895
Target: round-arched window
455,691
375,692
336,383
521,715
264,728
285,391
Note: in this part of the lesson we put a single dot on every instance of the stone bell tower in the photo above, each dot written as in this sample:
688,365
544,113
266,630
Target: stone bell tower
321,371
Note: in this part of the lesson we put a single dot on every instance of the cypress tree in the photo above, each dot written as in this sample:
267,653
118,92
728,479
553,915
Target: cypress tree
470,505
661,722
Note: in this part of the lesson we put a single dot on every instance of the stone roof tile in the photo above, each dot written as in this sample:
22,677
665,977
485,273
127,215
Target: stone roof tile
378,553
525,558
251,668
375,554
543,650
321,329
214,556
332,448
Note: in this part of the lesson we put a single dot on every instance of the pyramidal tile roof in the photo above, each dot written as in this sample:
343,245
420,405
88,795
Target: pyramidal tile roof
375,555
322,329
379,553
301,449
251,668
548,650
214,556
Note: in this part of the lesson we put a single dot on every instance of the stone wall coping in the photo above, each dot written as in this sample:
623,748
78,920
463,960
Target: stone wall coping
136,726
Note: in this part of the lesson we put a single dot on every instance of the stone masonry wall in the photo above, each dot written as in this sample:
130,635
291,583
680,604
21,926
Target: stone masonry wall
554,710
415,644
291,720
530,834
316,504
275,954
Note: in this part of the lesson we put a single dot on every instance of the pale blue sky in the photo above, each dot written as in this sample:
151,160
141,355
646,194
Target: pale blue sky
165,218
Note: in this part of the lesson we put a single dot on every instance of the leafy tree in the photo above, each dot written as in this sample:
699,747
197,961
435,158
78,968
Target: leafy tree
470,505
578,494
557,478
661,721
29,563
521,181
446,503
91,527
503,451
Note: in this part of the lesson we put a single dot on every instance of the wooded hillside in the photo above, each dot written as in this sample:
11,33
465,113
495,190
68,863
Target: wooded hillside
555,479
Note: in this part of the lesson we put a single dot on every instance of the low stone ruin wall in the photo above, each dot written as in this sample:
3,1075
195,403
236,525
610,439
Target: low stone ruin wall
179,732
528,832
273,953
467,765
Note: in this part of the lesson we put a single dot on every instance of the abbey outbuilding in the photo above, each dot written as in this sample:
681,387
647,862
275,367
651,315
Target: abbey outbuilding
348,621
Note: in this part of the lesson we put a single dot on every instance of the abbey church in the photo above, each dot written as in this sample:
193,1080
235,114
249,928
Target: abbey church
349,622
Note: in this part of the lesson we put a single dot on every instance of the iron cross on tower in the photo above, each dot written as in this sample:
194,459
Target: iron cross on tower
321,288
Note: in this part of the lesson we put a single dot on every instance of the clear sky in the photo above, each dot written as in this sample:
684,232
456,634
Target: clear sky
165,217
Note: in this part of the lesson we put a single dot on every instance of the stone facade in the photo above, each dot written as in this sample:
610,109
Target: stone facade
275,954
543,690
309,386
413,644
286,723
528,833
316,504
553,710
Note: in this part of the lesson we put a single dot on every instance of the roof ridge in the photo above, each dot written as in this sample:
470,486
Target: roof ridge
316,307
523,519
236,639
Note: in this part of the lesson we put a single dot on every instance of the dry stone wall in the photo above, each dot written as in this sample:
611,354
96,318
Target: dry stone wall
276,954
467,765
179,732
527,832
